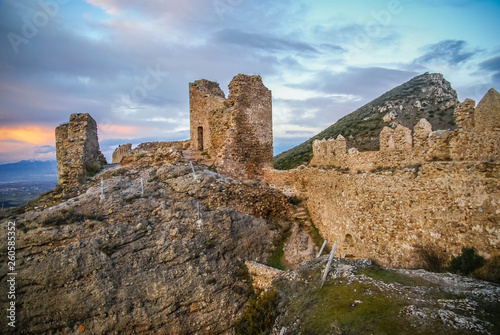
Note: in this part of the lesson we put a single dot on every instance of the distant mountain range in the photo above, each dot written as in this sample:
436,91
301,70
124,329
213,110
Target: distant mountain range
27,171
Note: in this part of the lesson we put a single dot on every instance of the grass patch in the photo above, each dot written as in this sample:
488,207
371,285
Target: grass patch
343,307
315,236
431,258
66,216
347,309
259,316
92,168
490,271
276,258
390,277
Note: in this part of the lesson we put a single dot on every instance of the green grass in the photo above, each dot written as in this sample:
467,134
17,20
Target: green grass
276,258
259,315
333,309
390,277
358,307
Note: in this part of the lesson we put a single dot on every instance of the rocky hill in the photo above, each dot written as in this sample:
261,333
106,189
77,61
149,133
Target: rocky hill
156,251
427,96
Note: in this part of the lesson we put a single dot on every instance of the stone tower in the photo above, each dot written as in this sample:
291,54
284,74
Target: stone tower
77,149
236,131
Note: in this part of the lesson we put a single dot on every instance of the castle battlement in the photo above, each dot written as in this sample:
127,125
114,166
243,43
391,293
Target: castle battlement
473,140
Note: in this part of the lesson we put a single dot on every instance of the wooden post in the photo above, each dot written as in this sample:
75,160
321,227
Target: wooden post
328,264
102,189
194,173
321,250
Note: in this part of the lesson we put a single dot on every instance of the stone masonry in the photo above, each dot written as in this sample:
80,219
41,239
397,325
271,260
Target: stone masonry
237,131
121,152
434,189
77,149
262,275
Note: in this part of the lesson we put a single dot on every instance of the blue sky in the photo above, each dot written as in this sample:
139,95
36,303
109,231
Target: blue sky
128,62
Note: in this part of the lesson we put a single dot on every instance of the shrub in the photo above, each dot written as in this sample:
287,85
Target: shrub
490,271
294,200
66,216
259,316
432,259
466,262
92,168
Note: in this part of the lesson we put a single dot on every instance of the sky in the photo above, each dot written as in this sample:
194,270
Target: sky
128,62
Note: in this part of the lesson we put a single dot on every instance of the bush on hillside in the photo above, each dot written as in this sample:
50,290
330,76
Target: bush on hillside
466,262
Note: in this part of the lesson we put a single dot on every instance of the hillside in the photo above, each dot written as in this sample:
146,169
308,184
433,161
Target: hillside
31,170
427,96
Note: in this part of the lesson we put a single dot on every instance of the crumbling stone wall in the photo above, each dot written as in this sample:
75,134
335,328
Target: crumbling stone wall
442,192
77,148
400,147
237,131
486,116
121,152
204,97
262,275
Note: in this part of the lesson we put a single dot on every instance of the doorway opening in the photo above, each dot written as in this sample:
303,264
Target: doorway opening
200,139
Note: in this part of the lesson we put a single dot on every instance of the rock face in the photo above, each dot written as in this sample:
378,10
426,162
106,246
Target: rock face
427,96
237,132
167,258
121,152
77,149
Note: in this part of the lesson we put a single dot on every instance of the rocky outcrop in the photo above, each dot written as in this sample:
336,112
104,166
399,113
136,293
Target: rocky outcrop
262,275
360,298
151,253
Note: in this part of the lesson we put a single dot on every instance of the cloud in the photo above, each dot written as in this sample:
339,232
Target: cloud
366,83
45,149
262,41
492,65
448,52
332,48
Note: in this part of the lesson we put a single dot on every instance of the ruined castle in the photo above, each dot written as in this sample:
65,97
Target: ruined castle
424,188
238,131
437,190
77,149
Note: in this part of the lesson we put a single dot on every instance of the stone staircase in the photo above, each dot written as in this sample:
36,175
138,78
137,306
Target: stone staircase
300,213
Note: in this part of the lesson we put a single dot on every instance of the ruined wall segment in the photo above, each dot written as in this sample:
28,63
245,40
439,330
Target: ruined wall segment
77,148
487,113
237,132
464,115
121,152
437,189
205,97
476,138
